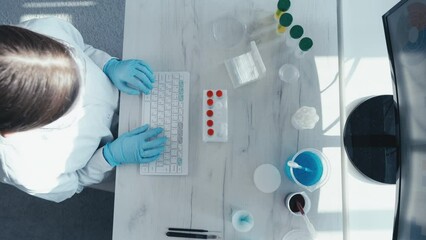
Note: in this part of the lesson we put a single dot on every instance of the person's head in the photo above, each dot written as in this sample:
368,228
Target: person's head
39,79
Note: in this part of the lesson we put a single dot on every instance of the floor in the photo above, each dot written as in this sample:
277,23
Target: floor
88,215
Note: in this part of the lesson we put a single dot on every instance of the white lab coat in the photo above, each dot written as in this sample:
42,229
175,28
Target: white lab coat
58,160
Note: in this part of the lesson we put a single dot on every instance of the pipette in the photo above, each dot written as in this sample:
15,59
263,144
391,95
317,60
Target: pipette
308,223
294,164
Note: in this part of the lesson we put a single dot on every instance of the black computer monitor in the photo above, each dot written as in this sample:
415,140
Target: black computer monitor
405,30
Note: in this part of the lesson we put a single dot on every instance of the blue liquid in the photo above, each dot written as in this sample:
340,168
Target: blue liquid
312,161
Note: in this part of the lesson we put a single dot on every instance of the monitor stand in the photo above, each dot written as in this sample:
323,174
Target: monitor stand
370,139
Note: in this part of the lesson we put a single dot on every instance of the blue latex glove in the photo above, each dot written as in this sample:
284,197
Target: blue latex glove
130,76
140,145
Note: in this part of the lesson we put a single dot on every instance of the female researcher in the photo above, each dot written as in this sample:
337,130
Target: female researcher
58,99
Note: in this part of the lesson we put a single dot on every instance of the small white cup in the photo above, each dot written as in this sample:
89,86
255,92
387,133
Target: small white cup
307,206
242,221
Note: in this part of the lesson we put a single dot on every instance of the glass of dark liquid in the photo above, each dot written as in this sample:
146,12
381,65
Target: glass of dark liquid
301,197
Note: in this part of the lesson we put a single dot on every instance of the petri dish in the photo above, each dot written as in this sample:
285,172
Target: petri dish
228,31
267,178
289,73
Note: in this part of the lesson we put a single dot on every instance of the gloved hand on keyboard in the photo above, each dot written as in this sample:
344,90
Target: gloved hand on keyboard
141,145
130,76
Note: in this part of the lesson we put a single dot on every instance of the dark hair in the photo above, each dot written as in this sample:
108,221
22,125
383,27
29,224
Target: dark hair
39,79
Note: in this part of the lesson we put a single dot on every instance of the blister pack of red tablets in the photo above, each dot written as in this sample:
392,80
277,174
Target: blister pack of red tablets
215,115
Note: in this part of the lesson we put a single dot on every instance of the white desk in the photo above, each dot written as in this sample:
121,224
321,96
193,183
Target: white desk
177,35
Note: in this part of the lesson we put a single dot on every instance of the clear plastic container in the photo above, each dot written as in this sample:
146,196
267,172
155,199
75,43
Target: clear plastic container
282,7
289,73
242,221
314,172
286,19
297,234
293,36
228,31
246,68
305,45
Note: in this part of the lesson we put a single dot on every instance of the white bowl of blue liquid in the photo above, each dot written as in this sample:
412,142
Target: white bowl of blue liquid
309,168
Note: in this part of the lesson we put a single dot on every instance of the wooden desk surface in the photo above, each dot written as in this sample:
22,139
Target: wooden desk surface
176,35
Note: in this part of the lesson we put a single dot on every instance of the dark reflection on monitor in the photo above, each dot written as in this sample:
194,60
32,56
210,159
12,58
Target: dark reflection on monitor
370,139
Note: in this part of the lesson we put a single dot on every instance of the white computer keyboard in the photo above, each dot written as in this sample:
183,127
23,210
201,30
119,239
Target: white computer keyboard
167,107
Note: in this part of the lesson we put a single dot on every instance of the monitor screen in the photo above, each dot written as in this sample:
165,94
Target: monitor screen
405,30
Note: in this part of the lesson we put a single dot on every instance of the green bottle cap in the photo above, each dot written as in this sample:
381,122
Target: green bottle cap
305,44
283,5
296,31
286,19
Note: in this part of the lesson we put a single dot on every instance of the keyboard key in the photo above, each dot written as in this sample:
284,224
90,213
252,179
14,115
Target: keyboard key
174,131
161,170
169,82
162,81
173,168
